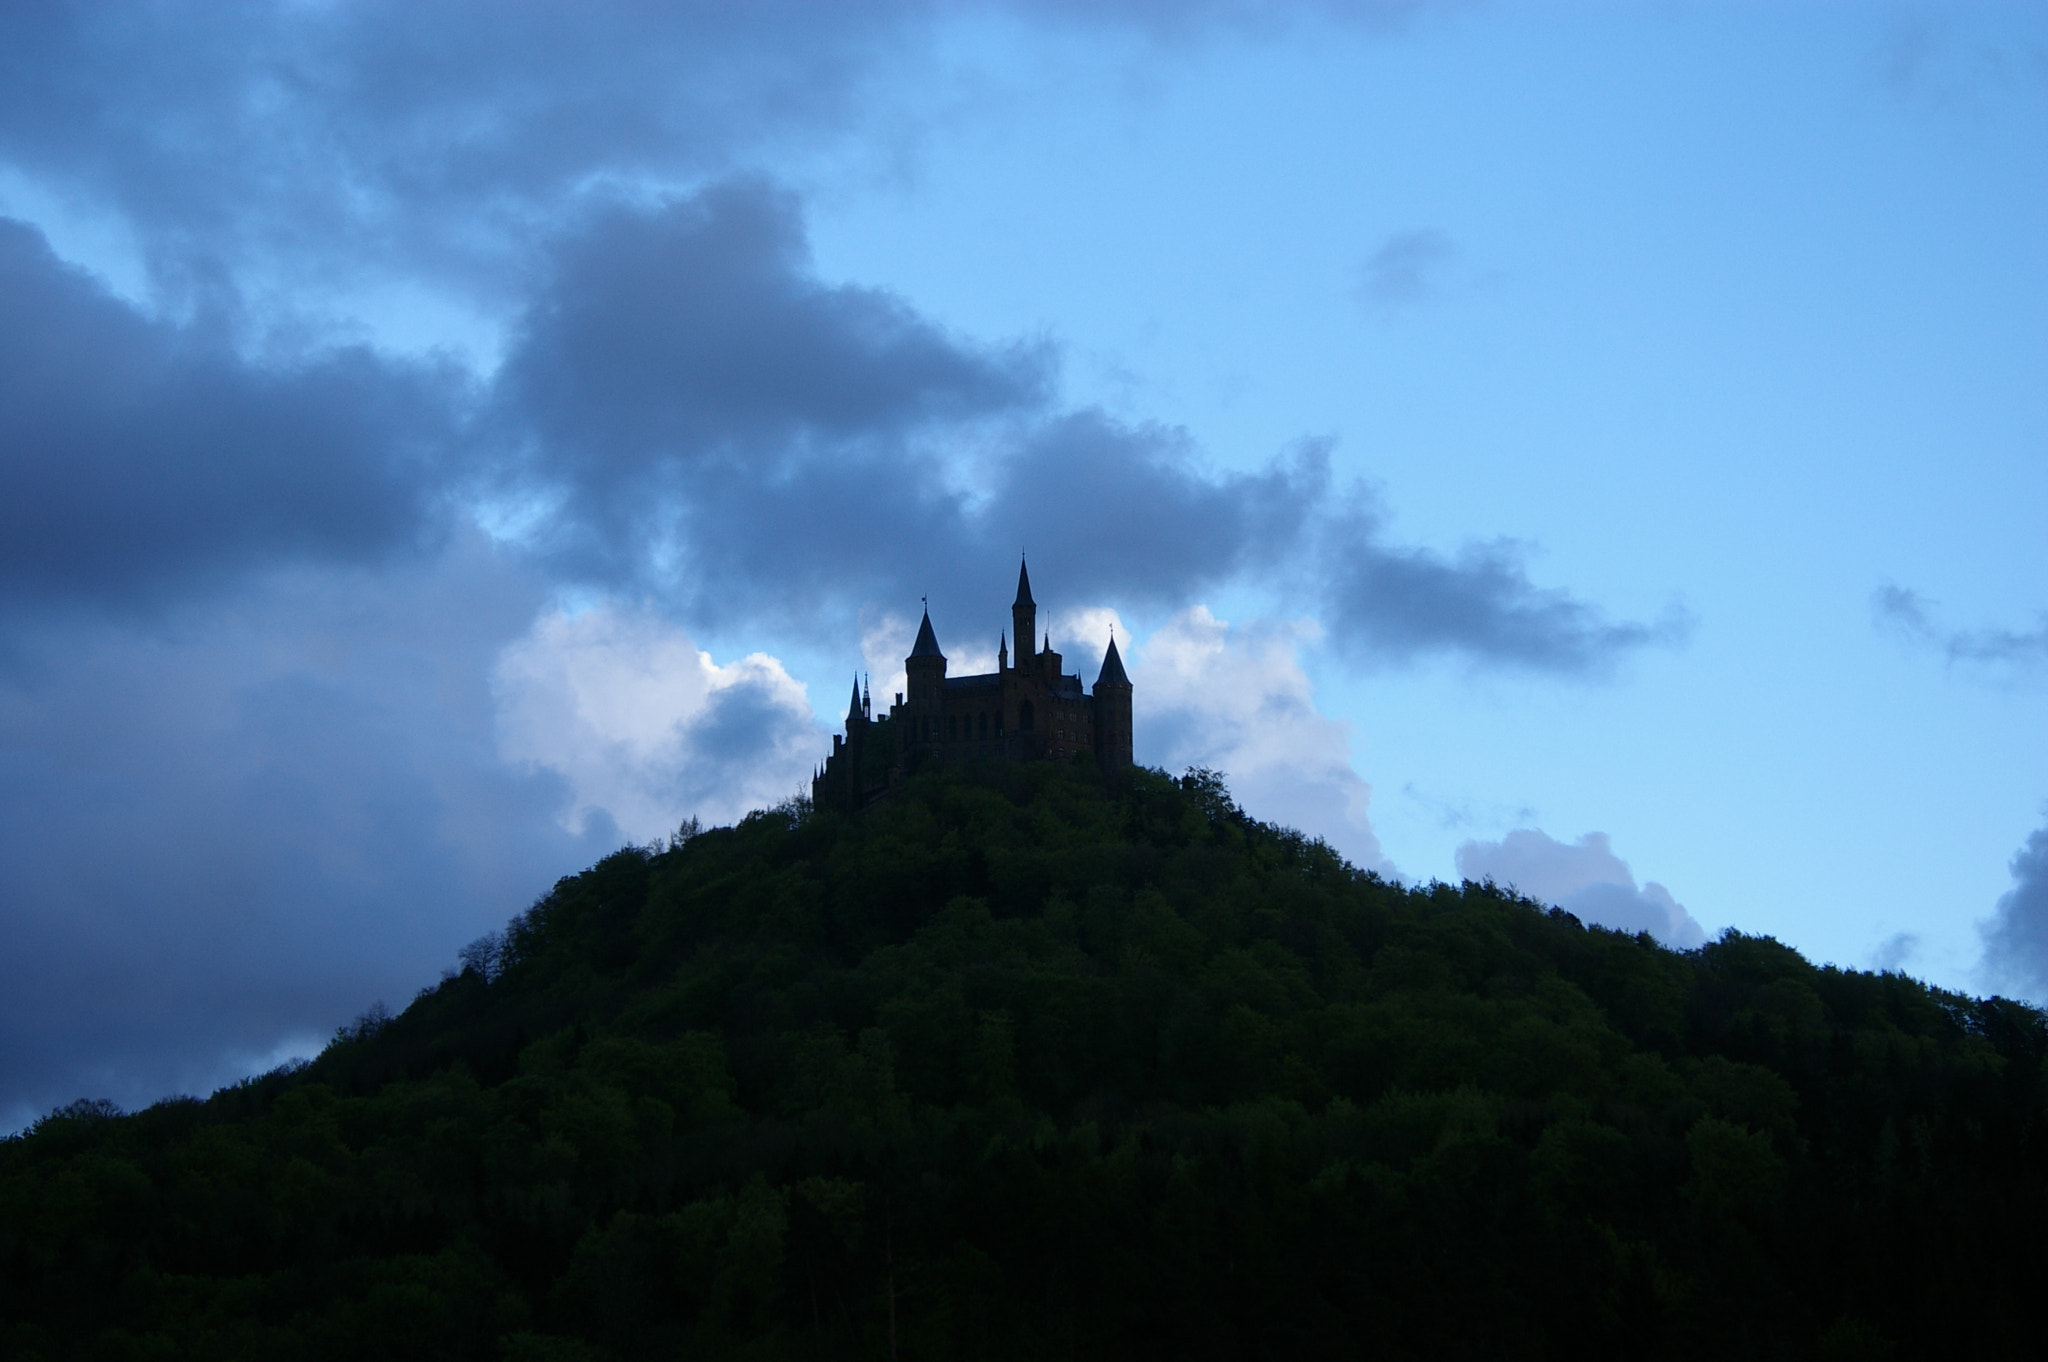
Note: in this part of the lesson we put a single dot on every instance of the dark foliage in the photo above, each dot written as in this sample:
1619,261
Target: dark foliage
1028,1063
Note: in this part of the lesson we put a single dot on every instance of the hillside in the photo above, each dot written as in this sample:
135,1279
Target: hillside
1031,1063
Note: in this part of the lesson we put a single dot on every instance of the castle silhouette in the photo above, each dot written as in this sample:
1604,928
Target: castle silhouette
1018,713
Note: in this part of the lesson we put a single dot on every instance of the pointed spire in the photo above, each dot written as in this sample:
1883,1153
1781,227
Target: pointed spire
1048,640
1024,622
853,710
1112,667
927,644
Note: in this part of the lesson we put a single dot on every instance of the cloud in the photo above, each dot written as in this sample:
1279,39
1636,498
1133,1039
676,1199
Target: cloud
2016,937
698,328
1391,603
1407,269
1909,615
686,409
239,825
137,456
1942,66
701,404
316,143
710,421
644,728
1894,951
707,415
1237,701
1457,814
1585,878
1131,508
324,150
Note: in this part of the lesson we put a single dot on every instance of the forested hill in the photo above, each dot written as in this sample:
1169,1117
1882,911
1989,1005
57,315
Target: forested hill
1032,1063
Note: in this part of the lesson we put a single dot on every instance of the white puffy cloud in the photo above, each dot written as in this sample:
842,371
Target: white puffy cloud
646,727
1235,699
1083,636
2016,937
1585,878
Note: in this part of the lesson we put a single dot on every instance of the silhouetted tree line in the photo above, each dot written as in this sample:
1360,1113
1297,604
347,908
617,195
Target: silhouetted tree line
1031,1062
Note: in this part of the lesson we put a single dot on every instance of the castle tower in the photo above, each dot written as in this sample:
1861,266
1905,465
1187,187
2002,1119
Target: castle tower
1027,709
926,670
839,784
1112,710
1024,617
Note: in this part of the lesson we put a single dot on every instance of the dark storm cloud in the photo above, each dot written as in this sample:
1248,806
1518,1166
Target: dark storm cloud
322,141
698,328
728,733
245,825
425,135
1910,615
683,371
713,423
2016,938
1131,508
690,387
136,454
1389,602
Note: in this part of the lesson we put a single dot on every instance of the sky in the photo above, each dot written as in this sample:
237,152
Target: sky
1599,448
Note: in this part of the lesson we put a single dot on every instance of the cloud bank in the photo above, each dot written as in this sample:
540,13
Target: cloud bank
289,147
295,150
244,822
143,457
703,417
687,410
1585,878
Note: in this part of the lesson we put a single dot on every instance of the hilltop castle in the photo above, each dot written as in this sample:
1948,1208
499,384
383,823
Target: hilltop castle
1015,713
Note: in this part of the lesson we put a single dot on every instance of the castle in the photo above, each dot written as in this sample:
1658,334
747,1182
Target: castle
1017,713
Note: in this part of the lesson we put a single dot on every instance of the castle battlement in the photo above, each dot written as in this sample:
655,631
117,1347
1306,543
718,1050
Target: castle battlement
1028,712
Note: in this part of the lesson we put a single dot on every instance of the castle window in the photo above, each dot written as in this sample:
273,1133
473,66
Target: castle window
952,726
982,723
1024,716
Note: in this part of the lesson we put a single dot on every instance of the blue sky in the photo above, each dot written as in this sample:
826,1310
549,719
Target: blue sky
1602,447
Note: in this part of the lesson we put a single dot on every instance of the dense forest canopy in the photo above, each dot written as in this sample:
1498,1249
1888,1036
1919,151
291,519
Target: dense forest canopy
1032,1061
